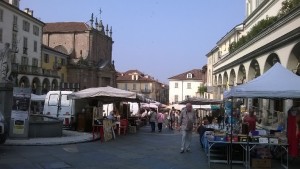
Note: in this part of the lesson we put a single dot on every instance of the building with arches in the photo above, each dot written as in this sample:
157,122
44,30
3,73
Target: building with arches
24,34
269,34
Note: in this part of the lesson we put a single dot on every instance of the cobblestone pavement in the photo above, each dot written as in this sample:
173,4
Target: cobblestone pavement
142,150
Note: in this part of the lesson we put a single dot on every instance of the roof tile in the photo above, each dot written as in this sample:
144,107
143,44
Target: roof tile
65,27
197,75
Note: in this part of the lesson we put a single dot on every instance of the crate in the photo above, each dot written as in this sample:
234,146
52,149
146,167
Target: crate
220,138
261,163
132,129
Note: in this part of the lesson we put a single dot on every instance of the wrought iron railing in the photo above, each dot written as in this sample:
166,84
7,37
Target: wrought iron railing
33,70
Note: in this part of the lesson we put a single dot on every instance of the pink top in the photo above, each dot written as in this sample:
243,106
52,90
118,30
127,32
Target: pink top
160,117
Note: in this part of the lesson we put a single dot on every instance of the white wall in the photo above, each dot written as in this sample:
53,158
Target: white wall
182,90
7,27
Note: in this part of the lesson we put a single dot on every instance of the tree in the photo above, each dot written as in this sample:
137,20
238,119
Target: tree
202,89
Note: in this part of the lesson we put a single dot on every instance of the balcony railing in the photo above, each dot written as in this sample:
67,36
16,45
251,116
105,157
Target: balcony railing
33,70
57,66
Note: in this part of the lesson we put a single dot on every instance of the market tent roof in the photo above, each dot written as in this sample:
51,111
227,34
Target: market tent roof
277,82
149,105
35,97
105,94
201,101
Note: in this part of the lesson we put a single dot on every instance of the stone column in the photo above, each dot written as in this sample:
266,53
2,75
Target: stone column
265,107
6,97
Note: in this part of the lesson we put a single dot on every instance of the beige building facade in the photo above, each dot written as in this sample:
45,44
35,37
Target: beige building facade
136,81
269,34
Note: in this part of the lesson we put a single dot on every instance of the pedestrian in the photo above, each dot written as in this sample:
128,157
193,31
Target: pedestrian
166,121
251,120
160,120
187,119
152,118
171,118
111,116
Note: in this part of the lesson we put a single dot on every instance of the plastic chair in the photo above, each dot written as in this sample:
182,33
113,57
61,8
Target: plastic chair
123,126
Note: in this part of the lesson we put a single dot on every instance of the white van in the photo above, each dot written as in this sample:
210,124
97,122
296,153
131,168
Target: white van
65,111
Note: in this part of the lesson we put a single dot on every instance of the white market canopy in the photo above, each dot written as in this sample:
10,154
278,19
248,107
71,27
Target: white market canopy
105,94
277,82
201,101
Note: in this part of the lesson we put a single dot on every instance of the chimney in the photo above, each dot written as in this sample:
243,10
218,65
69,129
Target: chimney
28,11
13,2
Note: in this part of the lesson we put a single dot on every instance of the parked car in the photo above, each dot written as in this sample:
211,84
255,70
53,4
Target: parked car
3,129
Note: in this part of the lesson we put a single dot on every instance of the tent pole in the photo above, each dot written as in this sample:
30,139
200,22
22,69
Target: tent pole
231,137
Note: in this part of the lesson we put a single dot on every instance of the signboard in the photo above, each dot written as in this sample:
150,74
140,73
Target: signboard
19,124
19,118
107,128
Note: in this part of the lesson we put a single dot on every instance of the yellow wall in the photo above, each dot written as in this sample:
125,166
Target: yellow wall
51,62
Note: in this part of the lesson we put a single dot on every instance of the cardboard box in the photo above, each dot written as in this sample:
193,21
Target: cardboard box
263,140
273,140
261,163
220,137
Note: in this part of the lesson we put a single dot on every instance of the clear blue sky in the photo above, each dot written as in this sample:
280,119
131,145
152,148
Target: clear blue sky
161,38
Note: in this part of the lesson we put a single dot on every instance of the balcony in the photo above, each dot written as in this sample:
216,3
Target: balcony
146,90
51,73
33,70
57,66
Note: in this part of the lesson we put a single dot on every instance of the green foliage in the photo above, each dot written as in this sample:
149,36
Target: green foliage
202,89
287,6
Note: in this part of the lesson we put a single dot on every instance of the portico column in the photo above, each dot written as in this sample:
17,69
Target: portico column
265,107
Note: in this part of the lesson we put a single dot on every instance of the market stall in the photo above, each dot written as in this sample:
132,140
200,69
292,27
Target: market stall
103,95
276,83
201,101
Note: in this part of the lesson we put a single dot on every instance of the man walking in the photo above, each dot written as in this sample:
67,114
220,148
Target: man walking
187,119
171,118
152,115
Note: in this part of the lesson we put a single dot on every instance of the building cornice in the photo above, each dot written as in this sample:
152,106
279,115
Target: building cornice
20,12
51,50
251,16
291,36
216,48
281,41
231,32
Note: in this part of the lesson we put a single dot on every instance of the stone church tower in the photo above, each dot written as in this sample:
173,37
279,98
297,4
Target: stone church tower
89,48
